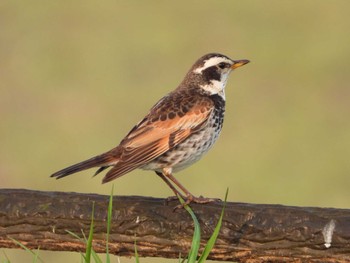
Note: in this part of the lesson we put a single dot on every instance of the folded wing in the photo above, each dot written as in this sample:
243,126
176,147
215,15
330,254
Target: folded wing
159,132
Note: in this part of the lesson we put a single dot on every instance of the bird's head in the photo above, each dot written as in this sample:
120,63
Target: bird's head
210,73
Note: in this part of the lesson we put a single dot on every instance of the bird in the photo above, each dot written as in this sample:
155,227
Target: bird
177,131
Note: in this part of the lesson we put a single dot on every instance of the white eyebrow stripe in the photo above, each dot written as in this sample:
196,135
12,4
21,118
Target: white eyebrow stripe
211,62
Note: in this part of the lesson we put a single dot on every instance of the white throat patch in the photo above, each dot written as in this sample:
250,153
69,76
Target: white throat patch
217,87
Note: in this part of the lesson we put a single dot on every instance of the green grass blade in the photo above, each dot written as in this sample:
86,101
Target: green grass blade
196,239
96,257
83,259
84,237
7,260
74,235
36,256
211,242
91,233
136,254
109,222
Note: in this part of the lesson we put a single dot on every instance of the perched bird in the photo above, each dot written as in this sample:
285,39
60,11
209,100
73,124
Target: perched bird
178,130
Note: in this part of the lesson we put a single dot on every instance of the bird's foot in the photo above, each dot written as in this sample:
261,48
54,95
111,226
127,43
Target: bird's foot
174,198
203,200
198,200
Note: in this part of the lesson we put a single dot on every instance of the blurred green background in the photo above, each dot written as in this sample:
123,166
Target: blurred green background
76,76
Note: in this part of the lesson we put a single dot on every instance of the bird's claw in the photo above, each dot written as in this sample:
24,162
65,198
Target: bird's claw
194,199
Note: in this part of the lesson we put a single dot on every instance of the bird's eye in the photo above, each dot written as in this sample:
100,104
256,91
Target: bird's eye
222,65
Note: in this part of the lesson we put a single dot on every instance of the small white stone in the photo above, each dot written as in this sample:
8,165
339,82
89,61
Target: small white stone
328,233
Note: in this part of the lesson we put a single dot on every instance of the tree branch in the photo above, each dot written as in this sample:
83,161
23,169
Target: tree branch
250,232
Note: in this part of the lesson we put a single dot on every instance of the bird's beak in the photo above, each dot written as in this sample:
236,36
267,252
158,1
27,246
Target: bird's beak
239,63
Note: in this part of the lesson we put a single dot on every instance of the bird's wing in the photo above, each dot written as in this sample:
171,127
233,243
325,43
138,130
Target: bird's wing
161,130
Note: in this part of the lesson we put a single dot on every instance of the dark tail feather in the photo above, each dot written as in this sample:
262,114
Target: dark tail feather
103,160
101,169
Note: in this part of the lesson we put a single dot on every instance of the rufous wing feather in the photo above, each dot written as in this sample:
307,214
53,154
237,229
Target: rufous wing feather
150,139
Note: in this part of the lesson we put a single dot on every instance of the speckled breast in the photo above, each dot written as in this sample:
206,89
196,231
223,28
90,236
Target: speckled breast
195,146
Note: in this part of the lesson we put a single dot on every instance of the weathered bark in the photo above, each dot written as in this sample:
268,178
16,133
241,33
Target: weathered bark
250,232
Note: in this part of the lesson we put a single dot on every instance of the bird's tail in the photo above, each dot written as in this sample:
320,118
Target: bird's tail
104,160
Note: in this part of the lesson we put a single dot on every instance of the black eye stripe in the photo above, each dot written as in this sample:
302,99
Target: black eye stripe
211,73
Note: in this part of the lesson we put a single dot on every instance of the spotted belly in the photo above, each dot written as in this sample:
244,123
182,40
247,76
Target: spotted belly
189,151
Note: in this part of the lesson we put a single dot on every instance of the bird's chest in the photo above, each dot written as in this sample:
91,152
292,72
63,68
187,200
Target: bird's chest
195,145
193,148
200,142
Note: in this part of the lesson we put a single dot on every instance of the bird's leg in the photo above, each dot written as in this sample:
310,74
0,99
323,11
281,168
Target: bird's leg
176,192
189,197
